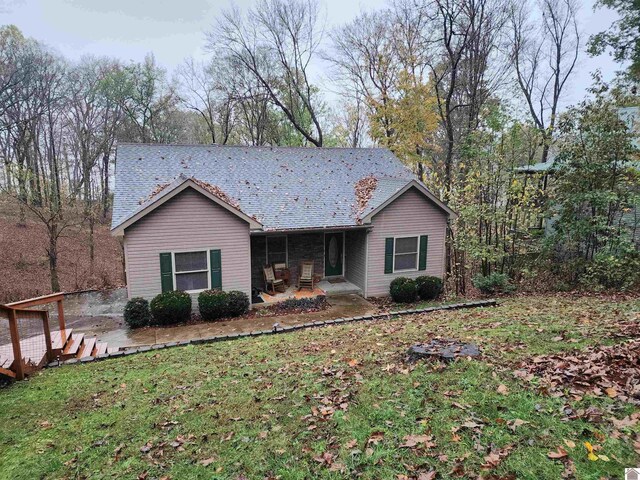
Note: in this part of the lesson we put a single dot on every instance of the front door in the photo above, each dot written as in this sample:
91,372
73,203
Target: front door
333,243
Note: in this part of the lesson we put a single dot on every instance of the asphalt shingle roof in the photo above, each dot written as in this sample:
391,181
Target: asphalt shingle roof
282,187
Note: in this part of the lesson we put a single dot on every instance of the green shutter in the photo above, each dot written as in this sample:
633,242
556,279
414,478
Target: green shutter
422,258
388,255
216,269
166,272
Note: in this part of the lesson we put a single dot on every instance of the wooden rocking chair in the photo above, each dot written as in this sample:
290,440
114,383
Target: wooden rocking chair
271,280
306,278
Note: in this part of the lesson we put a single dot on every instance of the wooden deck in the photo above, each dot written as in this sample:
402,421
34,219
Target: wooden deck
65,345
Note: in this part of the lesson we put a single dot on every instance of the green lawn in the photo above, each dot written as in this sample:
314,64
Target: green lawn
333,402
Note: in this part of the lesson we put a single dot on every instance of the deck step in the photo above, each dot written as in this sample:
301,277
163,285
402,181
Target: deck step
6,362
8,373
59,338
73,346
101,348
87,349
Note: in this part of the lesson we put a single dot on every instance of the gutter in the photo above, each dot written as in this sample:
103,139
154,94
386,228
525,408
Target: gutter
311,229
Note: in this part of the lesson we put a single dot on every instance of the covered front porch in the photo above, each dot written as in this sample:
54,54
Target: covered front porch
338,257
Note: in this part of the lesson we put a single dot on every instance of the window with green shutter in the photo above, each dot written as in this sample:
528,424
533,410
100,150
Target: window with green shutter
191,271
166,272
422,261
388,255
216,269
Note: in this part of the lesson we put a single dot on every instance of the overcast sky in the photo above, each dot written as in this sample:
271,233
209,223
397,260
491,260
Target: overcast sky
173,30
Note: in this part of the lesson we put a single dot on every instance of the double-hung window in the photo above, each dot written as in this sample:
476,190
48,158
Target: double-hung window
405,254
277,249
191,270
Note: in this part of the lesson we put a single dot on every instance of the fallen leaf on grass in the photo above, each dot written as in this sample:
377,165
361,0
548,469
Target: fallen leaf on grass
559,453
513,424
375,438
351,443
325,458
591,456
411,441
569,443
502,389
427,475
628,421
491,461
471,424
207,461
117,451
611,392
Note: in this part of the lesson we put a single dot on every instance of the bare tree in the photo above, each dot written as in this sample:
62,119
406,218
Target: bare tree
455,27
366,59
276,42
91,121
544,54
204,90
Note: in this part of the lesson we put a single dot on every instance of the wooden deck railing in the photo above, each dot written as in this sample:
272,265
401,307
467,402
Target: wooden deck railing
43,300
32,347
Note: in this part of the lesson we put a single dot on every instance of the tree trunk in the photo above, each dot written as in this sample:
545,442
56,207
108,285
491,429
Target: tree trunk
52,252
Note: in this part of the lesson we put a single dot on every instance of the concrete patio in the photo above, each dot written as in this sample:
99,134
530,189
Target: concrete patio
330,288
100,314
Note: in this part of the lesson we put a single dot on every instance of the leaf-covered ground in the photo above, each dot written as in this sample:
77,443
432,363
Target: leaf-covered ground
339,402
25,265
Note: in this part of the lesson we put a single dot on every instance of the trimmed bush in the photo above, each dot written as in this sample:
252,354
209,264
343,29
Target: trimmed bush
403,290
212,304
492,283
429,288
169,308
137,313
215,304
237,303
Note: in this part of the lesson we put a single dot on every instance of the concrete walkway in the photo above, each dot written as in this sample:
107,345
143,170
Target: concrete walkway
113,331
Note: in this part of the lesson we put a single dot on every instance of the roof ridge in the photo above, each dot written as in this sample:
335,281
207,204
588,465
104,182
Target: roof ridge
272,147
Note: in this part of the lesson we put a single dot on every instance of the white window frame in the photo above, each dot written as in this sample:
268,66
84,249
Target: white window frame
207,252
417,237
286,248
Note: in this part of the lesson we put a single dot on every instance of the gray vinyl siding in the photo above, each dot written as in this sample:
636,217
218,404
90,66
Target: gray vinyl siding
411,214
356,258
188,221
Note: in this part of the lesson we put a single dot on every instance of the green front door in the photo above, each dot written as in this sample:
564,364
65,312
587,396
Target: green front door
333,243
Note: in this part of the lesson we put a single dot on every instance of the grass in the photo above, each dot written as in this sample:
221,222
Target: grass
330,403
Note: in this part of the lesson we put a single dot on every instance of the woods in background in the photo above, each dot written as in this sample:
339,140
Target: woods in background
464,92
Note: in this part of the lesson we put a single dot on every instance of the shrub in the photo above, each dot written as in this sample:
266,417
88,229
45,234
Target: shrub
492,283
428,287
168,308
215,304
137,313
403,290
237,303
612,272
212,304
